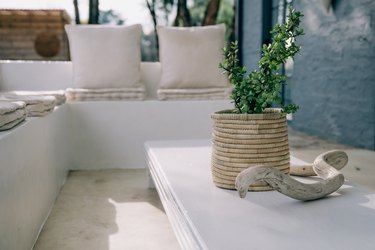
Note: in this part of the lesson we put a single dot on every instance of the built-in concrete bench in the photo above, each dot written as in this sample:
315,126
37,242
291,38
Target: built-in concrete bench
36,156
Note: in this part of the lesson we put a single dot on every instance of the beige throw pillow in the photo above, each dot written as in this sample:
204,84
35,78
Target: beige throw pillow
190,57
105,56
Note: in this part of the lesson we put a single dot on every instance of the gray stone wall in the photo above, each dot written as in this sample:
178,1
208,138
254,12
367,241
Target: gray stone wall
334,76
333,80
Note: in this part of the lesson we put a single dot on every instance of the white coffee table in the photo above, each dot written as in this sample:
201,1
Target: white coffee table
206,217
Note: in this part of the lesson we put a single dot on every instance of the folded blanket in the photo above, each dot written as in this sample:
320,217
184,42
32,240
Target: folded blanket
8,107
106,94
13,123
105,97
11,114
194,94
58,94
35,105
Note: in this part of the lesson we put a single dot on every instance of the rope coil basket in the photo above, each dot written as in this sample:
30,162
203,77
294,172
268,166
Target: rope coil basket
244,140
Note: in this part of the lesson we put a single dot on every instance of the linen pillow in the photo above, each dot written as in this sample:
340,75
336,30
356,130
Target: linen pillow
190,57
105,56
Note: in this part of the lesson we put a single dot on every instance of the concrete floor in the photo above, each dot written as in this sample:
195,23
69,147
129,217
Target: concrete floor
114,209
107,210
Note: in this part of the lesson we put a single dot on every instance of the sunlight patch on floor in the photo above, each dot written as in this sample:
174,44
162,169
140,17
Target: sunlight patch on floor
107,209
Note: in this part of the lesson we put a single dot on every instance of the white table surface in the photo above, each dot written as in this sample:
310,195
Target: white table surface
206,217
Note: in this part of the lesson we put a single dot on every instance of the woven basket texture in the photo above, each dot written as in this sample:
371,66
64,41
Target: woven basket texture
244,140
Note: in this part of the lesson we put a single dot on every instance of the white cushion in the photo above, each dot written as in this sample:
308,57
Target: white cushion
190,57
105,56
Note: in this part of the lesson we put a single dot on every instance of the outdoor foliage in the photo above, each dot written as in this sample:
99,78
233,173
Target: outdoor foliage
196,13
259,89
225,15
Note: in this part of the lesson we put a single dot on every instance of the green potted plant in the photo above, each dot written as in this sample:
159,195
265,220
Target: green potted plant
253,133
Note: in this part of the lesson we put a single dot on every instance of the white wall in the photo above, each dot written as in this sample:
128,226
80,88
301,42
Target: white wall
33,167
35,75
111,134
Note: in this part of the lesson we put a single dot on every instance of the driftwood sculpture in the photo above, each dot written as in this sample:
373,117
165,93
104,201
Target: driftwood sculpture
335,158
323,166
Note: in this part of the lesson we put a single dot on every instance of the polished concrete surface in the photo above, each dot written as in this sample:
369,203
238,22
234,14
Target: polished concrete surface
115,209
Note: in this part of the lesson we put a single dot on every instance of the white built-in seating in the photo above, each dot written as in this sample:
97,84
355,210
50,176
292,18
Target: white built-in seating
86,134
37,155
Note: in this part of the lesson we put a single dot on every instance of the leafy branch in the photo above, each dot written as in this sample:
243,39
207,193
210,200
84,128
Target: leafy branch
257,91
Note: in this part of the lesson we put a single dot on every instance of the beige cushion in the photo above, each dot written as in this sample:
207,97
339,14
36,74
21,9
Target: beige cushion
106,94
190,57
194,94
105,56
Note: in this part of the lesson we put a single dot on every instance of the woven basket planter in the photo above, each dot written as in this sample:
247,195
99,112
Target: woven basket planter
244,140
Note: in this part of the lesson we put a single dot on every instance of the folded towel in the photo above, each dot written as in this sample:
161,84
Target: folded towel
194,94
11,114
106,94
106,97
58,94
35,105
39,113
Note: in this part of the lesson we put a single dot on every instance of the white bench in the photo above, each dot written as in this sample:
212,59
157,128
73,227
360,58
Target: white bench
36,156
